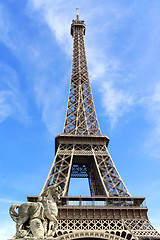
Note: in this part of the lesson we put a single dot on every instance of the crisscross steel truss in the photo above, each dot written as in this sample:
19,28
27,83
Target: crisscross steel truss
90,161
125,229
81,116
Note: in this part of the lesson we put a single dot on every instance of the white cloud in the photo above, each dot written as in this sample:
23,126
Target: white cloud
12,103
154,107
97,63
151,105
3,200
9,34
31,57
57,19
7,230
115,101
57,16
49,99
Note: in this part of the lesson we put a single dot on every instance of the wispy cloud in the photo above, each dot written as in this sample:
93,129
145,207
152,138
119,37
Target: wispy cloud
57,15
116,102
57,19
151,104
7,230
153,107
49,99
3,200
30,55
12,103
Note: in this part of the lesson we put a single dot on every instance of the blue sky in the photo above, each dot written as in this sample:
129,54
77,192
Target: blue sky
123,53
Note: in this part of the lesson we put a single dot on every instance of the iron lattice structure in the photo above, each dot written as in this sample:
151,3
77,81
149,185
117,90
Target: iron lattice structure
81,120
85,157
81,152
81,115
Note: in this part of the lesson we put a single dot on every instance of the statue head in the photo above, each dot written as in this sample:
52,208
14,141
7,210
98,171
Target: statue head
52,191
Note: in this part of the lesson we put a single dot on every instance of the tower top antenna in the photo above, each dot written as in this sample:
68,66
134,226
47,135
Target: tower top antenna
77,13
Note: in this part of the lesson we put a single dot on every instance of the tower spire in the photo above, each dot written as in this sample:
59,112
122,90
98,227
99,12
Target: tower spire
77,13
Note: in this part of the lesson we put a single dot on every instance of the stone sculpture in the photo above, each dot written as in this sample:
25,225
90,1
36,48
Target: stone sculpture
37,219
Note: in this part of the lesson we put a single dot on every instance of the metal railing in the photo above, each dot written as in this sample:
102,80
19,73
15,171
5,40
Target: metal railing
103,202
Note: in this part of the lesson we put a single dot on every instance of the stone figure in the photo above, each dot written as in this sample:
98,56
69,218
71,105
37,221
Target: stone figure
37,219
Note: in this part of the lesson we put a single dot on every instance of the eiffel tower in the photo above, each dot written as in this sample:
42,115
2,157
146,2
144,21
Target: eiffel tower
81,152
